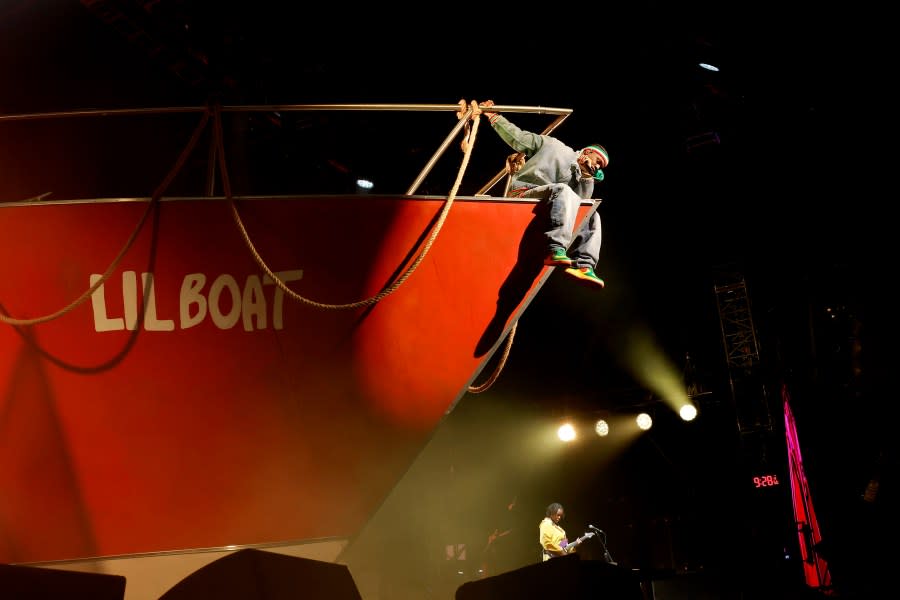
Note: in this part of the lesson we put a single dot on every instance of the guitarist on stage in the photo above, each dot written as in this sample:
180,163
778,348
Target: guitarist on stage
553,537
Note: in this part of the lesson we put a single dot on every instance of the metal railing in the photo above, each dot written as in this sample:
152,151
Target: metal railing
461,109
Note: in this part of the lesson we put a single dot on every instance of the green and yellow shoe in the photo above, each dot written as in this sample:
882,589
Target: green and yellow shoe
558,258
587,275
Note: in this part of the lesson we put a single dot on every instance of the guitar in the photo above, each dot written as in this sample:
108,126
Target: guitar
571,546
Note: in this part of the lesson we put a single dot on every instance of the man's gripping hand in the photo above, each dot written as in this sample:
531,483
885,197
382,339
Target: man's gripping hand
492,116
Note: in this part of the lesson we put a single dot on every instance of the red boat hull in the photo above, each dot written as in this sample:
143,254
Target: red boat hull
233,413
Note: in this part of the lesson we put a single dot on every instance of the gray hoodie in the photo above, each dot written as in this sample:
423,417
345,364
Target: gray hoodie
548,160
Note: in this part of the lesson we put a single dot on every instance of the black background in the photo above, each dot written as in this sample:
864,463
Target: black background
770,171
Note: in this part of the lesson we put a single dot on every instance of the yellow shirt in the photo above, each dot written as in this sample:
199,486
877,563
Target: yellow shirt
552,538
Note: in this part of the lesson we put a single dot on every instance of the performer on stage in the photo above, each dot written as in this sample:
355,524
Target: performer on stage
552,537
561,177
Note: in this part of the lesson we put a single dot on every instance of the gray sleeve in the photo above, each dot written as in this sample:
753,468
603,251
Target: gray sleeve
518,139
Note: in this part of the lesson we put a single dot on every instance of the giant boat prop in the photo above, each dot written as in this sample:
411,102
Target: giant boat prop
183,373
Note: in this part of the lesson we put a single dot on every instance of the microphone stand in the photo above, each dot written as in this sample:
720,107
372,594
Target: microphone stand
606,555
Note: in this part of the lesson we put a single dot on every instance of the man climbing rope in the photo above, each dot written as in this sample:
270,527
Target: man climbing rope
561,177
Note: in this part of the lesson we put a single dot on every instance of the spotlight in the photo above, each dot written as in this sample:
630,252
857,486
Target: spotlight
566,432
644,421
601,427
688,412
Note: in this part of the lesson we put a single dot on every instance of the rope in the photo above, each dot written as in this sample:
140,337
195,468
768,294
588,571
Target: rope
514,163
468,144
477,389
154,201
471,132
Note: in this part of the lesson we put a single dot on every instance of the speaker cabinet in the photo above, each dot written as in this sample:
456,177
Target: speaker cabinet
251,574
563,577
36,583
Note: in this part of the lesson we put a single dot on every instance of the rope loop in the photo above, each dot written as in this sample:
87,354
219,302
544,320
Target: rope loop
470,112
478,389
469,142
151,206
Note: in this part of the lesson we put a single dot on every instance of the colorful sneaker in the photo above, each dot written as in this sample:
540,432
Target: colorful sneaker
558,258
586,274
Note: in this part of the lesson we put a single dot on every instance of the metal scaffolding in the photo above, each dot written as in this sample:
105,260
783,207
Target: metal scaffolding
748,388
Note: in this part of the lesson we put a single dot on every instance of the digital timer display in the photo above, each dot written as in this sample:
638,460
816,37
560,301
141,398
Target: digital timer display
762,481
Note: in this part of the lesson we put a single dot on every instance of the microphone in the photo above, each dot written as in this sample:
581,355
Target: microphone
595,529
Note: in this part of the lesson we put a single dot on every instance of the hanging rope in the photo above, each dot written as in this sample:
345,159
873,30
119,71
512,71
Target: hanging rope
513,163
471,114
154,201
477,389
468,144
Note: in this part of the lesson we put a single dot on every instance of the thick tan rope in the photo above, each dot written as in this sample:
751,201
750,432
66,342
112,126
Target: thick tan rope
468,145
477,389
514,163
154,201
